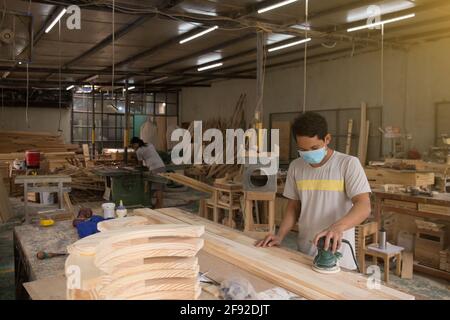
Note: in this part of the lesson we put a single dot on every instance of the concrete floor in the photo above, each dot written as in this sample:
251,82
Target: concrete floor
421,286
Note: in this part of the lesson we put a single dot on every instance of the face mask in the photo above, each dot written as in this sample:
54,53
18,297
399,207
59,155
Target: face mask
313,157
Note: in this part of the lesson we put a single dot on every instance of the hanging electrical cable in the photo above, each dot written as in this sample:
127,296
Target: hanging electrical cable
382,66
2,123
59,76
305,58
27,122
113,50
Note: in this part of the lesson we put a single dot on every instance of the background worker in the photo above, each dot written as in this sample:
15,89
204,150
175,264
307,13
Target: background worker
148,156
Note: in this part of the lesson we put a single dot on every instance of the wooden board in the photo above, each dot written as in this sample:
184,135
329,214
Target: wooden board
291,271
434,208
117,224
362,146
407,265
378,177
284,128
6,211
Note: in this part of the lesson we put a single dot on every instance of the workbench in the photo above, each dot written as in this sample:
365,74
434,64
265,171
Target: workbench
43,183
222,257
45,280
436,207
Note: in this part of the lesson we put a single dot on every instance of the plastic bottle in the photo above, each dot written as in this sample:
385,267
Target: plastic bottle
121,211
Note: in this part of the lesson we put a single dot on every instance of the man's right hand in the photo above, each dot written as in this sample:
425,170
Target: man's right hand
269,241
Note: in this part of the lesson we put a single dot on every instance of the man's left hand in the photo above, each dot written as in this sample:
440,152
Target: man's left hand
334,233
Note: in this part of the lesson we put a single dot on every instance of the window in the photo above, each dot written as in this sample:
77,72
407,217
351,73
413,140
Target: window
109,115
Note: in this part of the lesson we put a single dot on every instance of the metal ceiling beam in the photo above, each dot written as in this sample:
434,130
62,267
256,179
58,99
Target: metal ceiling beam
120,33
195,54
37,82
101,72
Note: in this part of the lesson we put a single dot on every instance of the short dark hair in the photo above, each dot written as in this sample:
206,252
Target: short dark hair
139,141
310,124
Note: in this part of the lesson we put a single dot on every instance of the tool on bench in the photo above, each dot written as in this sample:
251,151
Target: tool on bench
42,255
328,262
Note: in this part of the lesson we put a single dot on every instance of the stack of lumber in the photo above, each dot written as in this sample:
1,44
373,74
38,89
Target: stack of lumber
82,178
151,262
378,177
285,268
236,121
445,260
20,141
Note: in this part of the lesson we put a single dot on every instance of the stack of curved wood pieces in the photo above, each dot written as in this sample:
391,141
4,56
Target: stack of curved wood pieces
129,261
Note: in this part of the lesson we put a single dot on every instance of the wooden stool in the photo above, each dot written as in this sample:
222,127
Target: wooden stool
250,226
391,251
225,197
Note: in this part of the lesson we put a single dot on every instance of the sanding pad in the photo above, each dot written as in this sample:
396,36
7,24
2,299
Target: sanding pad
334,269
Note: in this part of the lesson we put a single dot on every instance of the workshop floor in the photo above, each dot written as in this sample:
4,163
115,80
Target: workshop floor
423,287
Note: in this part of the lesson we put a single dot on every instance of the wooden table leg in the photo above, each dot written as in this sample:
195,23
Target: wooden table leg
248,214
272,216
399,264
386,269
25,202
378,211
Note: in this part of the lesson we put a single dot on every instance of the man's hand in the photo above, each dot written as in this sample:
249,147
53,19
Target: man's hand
333,232
269,241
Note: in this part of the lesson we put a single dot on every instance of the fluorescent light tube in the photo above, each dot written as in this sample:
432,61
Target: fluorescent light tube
199,34
159,79
376,24
277,5
63,11
288,45
210,66
91,78
70,87
131,88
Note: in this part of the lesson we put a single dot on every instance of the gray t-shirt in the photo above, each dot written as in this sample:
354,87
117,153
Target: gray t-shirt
150,156
325,194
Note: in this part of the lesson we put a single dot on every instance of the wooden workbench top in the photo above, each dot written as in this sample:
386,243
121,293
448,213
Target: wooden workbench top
47,280
33,238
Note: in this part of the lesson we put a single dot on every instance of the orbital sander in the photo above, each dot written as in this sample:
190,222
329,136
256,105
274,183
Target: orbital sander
328,262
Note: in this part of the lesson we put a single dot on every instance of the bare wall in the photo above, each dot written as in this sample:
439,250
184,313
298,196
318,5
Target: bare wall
40,119
414,81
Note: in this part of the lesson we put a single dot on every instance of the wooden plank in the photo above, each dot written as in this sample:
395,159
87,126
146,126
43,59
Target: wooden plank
348,144
434,208
380,176
42,179
407,265
6,211
401,204
284,128
362,133
292,271
194,184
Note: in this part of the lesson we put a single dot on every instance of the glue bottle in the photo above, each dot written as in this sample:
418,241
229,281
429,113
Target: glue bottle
121,211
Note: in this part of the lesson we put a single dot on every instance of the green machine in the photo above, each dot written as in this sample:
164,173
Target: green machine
131,185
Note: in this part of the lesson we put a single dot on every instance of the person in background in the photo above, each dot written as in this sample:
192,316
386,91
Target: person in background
148,156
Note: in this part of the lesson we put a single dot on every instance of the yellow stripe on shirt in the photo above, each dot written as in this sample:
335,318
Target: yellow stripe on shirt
320,185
